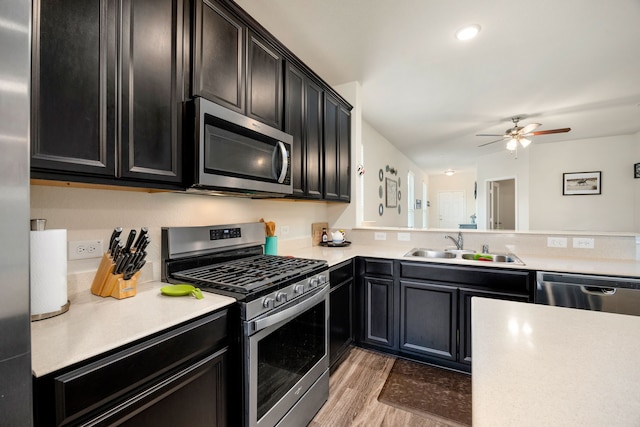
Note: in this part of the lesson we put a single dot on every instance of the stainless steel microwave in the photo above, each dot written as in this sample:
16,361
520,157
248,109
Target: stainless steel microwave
236,154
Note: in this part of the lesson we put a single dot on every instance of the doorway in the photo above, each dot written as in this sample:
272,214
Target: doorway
451,209
501,204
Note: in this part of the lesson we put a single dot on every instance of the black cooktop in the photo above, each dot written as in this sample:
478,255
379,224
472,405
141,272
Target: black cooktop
251,274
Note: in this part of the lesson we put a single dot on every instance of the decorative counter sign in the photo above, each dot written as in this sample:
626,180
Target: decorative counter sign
580,183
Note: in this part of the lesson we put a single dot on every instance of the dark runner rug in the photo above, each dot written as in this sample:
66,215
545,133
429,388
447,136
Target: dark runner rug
428,391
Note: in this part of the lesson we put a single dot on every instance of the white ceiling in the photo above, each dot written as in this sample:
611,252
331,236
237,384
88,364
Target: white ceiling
569,63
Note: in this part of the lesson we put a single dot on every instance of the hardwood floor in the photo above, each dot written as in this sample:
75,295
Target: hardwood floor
353,396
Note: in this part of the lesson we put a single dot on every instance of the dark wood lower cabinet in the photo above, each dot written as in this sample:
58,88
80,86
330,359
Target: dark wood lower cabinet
422,310
178,377
340,313
428,319
379,320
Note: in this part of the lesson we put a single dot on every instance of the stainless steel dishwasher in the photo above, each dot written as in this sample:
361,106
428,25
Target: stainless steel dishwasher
588,292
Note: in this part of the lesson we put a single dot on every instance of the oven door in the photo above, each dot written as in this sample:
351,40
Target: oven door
286,355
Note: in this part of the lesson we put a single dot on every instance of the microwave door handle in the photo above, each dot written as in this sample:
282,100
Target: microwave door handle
285,162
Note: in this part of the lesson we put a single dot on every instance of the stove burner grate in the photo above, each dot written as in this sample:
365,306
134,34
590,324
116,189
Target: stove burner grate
248,274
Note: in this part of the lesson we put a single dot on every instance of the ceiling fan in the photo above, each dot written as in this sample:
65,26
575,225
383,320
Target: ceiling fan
518,134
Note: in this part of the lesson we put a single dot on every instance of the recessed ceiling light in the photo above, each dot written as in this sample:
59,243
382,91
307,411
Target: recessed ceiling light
467,33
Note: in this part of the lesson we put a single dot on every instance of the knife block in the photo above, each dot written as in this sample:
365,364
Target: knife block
124,288
107,284
103,274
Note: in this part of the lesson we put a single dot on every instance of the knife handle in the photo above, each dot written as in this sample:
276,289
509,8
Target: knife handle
132,235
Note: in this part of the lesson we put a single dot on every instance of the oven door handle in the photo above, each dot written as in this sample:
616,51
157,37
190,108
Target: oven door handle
290,312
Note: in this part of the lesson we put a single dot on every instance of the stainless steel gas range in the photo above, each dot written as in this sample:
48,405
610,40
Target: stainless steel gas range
283,307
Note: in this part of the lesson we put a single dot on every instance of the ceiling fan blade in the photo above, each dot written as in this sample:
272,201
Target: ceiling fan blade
528,128
491,142
550,131
490,134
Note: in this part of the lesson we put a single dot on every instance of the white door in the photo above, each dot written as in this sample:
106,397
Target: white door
451,209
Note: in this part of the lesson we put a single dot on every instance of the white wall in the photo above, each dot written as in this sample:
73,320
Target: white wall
538,172
613,210
499,166
92,214
378,154
458,182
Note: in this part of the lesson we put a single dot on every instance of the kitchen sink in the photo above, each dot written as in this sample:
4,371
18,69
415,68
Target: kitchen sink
430,253
493,258
464,254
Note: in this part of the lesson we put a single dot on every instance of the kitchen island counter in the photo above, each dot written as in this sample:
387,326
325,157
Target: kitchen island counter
540,365
94,325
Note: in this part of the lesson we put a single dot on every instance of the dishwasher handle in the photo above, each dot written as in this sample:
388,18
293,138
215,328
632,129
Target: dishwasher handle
595,290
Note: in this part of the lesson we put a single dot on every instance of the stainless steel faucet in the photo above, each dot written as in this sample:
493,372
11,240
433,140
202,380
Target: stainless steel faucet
458,242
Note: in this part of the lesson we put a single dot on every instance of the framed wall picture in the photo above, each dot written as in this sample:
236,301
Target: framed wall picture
636,170
392,193
581,183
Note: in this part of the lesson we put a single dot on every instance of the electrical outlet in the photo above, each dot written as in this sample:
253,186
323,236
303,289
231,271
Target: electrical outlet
556,242
404,237
583,242
284,230
379,235
82,249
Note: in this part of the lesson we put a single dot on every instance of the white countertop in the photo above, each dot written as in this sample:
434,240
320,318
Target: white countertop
536,365
94,324
611,267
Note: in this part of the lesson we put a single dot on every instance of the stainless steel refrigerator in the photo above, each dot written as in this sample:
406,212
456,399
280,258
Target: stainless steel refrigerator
15,337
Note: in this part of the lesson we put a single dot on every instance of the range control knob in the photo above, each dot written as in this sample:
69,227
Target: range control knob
298,289
322,278
281,297
268,302
313,282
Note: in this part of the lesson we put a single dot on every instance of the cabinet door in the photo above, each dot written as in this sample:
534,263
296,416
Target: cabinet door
303,120
73,87
428,319
264,82
331,166
378,311
465,317
218,60
195,396
344,154
340,321
294,124
151,75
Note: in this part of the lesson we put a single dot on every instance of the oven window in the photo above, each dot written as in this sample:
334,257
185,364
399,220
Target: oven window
285,355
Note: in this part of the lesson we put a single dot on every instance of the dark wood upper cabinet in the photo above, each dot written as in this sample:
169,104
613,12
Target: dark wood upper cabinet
108,91
264,81
234,66
337,150
303,120
72,109
151,100
219,60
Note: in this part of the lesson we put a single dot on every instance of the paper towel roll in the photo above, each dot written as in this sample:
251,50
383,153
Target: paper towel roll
48,271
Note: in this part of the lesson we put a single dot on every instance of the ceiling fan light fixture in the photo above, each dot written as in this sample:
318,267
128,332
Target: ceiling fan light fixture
524,142
512,144
449,172
468,32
